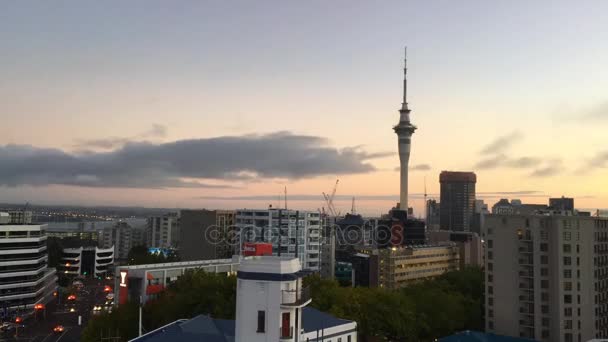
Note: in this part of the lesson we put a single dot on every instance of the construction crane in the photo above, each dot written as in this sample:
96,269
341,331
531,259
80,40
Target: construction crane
329,199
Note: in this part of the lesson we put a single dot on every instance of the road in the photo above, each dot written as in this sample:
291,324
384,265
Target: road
40,329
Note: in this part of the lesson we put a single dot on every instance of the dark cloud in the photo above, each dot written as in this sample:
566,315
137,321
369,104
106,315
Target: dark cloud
305,197
183,163
421,167
551,168
502,143
523,162
491,163
156,131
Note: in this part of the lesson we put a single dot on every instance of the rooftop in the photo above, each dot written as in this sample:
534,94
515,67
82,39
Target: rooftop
475,336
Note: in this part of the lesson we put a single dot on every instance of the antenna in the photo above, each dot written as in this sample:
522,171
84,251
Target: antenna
426,214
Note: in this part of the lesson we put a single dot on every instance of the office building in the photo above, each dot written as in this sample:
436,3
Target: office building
25,278
20,216
206,234
470,244
271,305
396,267
89,235
432,215
562,203
291,232
457,200
547,276
163,231
87,261
122,237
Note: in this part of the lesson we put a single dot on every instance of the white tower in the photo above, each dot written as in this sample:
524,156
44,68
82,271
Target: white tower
404,130
269,300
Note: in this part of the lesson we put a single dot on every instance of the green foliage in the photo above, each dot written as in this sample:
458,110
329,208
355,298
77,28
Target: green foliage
139,255
194,293
420,312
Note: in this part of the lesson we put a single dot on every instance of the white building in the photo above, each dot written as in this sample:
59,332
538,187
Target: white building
87,261
163,231
270,306
547,276
122,237
25,279
300,232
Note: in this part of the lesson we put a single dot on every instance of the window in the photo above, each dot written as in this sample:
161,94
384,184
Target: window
567,286
545,321
339,339
544,247
568,299
544,235
544,296
568,324
567,312
490,301
567,261
348,338
491,324
567,236
544,259
490,266
490,278
490,244
490,255
567,337
489,231
567,248
544,309
545,334
567,273
490,313
261,321
490,290
544,284
544,272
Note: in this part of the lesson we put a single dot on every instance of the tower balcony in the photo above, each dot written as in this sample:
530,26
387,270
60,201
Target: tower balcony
296,298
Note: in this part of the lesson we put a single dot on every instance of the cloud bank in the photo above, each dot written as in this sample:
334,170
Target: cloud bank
184,163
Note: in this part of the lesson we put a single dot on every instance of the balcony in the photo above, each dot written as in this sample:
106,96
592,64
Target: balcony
296,298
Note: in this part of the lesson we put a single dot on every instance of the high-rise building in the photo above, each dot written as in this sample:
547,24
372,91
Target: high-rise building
561,203
457,200
206,234
404,130
547,276
432,215
122,237
26,278
20,216
163,231
295,233
87,261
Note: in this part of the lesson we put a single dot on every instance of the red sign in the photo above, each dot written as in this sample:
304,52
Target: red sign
257,249
123,291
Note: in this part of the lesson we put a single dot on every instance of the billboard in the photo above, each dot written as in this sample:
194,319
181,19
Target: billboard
256,249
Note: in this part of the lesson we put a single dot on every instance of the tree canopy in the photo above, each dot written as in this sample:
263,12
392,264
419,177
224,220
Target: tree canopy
139,255
420,312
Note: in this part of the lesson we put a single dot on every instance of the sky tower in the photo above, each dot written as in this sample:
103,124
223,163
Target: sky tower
404,130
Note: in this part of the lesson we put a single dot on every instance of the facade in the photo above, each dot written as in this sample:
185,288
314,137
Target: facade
89,235
270,306
206,234
87,261
148,281
25,279
470,244
396,267
515,206
20,216
292,233
457,200
122,237
562,203
546,276
432,215
163,231
404,130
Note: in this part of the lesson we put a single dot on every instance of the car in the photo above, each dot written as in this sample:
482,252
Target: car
97,308
58,329
110,296
107,288
72,297
7,326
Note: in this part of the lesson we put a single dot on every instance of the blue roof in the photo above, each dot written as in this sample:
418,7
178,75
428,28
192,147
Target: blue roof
475,336
205,328
313,320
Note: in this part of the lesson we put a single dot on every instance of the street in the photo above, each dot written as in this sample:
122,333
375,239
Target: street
61,312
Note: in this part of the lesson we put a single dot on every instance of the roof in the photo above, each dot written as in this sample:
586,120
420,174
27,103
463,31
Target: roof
199,328
476,336
205,328
313,320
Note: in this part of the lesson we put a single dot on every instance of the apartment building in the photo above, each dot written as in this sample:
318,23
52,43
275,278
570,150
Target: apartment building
163,231
122,237
206,234
397,267
295,233
25,279
547,276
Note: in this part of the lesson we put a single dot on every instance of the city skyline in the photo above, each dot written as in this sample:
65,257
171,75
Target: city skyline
112,105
